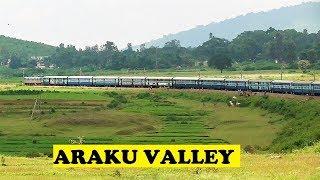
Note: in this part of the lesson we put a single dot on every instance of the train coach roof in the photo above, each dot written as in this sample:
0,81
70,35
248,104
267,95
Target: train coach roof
282,81
34,77
132,77
165,78
301,82
186,78
212,79
106,77
237,80
56,77
265,81
80,77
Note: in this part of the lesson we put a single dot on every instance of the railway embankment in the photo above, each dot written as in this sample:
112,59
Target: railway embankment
300,114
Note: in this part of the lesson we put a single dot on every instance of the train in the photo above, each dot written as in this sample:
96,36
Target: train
275,86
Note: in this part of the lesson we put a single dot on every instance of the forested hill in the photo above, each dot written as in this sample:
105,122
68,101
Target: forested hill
304,16
11,46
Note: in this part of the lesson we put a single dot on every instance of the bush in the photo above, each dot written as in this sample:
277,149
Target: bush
34,155
52,110
144,95
3,161
20,92
171,117
114,104
118,100
249,149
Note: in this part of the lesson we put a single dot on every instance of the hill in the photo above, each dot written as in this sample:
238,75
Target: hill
10,45
299,17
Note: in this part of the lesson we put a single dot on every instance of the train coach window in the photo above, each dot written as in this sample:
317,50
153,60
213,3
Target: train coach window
231,84
212,83
316,87
301,86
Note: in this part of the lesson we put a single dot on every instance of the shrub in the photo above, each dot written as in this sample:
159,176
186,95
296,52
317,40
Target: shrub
116,173
20,92
249,149
114,104
144,95
171,117
34,155
52,110
3,161
117,101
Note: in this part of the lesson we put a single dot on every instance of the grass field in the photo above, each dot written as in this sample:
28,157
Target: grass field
148,116
142,116
303,164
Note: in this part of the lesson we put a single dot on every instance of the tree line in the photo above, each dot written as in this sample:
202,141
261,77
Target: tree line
285,47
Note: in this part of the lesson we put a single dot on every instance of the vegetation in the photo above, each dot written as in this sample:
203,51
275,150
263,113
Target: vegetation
304,65
154,116
262,125
220,61
282,46
127,116
19,52
292,17
302,164
252,50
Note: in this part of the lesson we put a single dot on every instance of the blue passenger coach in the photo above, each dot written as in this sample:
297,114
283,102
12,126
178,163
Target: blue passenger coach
80,80
259,85
280,86
277,86
185,82
236,84
159,81
316,88
102,81
212,83
132,81
301,87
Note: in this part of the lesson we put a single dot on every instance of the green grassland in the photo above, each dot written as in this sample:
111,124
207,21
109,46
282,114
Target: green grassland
268,124
302,164
147,116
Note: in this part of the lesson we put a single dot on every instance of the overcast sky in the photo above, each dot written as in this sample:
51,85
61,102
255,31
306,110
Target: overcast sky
89,22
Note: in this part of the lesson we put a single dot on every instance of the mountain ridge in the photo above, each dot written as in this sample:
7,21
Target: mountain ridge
299,17
11,45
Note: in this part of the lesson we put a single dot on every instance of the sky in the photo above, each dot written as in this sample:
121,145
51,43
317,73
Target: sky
89,22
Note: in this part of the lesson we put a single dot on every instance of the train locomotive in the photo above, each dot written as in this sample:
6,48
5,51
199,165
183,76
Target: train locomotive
276,86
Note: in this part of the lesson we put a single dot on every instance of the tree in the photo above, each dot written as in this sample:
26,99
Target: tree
15,62
129,47
210,47
142,47
311,55
285,46
220,61
289,53
172,44
304,65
